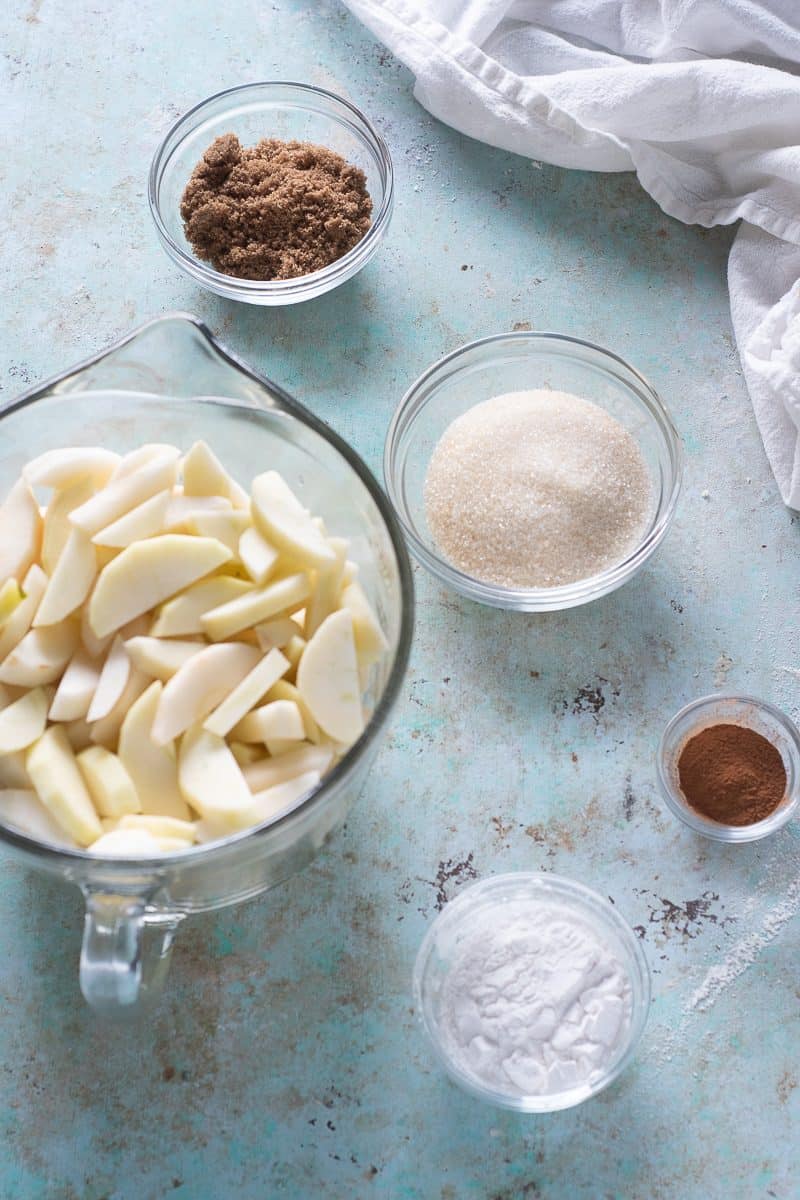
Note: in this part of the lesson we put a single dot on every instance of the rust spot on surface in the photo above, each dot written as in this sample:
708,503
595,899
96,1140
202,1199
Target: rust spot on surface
786,1085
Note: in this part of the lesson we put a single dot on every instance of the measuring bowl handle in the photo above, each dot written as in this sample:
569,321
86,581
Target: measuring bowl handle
125,953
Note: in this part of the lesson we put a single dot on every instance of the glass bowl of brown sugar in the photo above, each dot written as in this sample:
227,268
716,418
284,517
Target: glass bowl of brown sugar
300,243
729,767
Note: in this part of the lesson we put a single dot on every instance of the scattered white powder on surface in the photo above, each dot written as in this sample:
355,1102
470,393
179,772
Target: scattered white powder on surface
536,489
535,1002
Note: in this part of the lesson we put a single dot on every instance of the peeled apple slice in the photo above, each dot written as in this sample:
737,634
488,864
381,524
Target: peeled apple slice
286,523
284,690
182,614
111,682
77,687
199,686
105,732
20,531
64,467
327,678
57,527
204,475
109,784
143,456
161,827
325,596
278,800
144,521
41,655
24,721
70,582
161,658
212,781
226,527
258,555
14,628
58,782
269,772
371,643
125,492
278,720
248,693
126,843
10,597
23,810
276,633
152,768
256,605
147,573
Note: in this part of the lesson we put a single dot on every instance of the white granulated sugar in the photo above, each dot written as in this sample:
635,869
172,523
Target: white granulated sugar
536,489
535,1001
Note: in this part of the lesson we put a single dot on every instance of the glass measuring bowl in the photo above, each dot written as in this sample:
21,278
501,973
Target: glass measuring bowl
171,381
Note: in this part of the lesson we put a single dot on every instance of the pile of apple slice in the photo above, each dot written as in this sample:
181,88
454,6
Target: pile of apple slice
179,660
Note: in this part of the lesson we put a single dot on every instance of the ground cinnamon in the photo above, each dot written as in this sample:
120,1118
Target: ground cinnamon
277,210
731,774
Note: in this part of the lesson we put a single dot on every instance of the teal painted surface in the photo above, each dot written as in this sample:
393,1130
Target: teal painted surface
285,1060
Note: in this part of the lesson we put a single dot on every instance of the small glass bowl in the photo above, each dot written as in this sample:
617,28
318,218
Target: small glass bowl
510,362
765,719
457,921
254,111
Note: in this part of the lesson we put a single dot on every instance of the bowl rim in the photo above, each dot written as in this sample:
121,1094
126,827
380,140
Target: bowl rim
568,595
716,830
559,888
391,691
355,257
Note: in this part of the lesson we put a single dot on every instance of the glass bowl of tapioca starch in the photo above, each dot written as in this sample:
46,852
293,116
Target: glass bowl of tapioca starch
533,471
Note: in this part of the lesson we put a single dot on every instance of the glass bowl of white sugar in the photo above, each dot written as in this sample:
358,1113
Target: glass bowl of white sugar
533,991
533,471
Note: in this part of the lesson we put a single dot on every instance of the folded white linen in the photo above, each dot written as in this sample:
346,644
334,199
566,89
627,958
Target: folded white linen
701,99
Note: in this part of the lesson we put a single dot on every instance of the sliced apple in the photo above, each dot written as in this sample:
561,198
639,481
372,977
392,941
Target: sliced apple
160,827
284,690
111,682
57,525
280,799
20,531
258,556
65,467
149,572
226,527
199,686
14,628
76,688
371,643
286,523
126,843
11,596
212,781
327,678
22,809
144,521
294,650
24,721
204,475
126,491
41,655
279,720
59,785
160,658
143,456
276,632
71,581
325,597
109,784
269,772
258,604
248,693
152,768
105,732
182,614
245,754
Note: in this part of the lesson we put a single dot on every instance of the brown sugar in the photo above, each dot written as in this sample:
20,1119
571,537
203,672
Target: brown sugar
274,211
732,774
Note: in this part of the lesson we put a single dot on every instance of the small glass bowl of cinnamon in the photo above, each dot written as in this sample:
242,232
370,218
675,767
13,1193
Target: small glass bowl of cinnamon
290,112
725,771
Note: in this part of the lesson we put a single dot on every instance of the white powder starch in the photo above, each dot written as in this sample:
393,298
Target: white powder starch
536,489
535,1001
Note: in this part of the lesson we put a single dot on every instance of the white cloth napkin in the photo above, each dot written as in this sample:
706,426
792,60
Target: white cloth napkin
700,97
